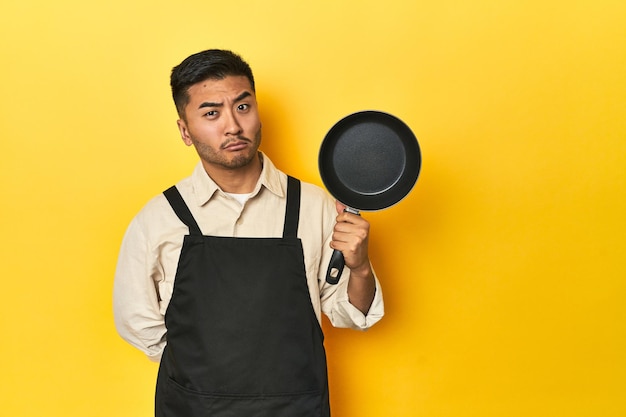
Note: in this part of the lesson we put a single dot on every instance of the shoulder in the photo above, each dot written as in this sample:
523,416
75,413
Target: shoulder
157,214
315,192
315,201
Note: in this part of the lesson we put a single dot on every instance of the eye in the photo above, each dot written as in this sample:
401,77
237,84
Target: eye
211,113
243,107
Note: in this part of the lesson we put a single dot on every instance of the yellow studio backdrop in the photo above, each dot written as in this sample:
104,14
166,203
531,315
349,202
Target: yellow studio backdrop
504,271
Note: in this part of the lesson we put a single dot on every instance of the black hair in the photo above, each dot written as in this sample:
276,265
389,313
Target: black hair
215,64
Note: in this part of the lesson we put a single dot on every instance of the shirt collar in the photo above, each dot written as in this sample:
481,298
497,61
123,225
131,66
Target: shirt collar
204,187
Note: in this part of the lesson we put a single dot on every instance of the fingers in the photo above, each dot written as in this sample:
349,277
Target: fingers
350,236
350,226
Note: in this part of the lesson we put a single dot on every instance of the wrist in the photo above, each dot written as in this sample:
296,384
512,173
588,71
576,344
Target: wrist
362,272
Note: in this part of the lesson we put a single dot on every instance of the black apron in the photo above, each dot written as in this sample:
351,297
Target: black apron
242,336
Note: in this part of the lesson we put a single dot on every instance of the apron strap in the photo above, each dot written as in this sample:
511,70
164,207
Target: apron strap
292,213
182,211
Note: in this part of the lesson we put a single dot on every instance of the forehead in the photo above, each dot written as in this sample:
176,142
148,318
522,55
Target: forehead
228,87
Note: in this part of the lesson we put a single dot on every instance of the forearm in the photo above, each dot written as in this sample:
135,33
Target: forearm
362,288
137,316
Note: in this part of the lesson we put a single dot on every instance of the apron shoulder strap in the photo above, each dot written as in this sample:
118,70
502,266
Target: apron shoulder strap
182,211
292,214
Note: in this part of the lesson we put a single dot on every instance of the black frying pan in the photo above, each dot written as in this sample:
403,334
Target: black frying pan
369,161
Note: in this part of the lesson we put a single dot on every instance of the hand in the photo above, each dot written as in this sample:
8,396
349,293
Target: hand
350,236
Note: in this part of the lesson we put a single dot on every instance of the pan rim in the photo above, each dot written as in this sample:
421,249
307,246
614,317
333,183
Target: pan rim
382,121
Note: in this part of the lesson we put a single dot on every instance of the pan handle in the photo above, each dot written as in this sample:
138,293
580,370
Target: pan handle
337,262
335,267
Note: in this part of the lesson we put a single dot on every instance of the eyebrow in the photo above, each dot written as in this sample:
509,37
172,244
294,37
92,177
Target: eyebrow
214,104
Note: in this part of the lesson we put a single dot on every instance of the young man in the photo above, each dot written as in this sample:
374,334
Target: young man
222,277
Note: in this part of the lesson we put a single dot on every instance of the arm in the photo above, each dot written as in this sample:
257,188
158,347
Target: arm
136,305
333,300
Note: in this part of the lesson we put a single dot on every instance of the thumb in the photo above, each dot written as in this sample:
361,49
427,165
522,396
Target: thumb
340,207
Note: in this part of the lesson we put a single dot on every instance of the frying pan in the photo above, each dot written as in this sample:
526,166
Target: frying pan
369,160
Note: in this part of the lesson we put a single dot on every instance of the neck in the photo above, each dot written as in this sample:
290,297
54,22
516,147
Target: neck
238,181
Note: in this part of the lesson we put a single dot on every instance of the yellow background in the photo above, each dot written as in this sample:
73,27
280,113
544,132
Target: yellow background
504,270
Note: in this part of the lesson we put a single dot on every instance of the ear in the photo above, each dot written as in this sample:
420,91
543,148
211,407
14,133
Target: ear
184,132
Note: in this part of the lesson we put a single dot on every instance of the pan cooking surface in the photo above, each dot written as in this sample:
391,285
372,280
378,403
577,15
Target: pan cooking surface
369,160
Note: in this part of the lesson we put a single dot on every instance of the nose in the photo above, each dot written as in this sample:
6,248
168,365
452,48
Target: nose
232,126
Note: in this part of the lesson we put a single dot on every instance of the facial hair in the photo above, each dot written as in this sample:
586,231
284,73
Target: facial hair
213,157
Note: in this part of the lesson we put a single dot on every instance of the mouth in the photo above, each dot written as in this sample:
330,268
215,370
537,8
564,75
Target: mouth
236,145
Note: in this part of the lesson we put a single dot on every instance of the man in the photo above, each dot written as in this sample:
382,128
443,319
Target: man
222,277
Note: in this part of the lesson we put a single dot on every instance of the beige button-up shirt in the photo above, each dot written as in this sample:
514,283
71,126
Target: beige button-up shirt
149,254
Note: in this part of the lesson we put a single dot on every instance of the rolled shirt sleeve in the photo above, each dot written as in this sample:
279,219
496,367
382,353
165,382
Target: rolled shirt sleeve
341,313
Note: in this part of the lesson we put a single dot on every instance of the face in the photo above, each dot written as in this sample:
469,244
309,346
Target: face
222,123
